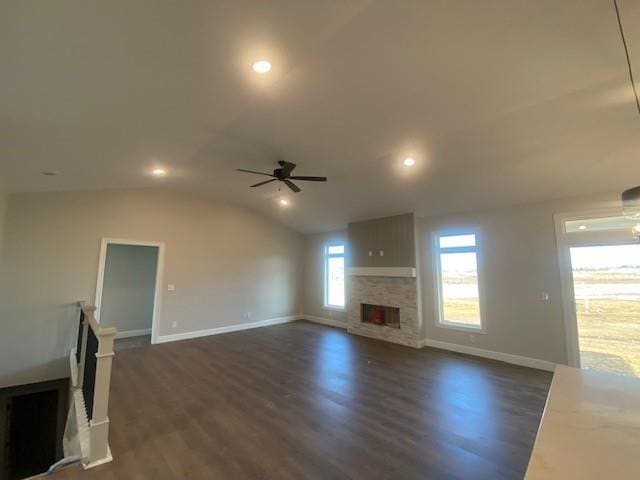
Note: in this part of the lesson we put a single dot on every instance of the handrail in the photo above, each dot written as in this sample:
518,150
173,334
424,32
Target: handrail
91,378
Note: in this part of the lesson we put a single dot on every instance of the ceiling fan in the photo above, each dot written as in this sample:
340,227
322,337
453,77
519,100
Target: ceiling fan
283,174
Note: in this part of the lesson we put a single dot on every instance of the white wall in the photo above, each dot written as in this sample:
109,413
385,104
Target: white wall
129,287
313,303
224,261
520,263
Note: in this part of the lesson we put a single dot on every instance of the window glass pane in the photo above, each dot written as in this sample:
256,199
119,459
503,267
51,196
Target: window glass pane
449,241
460,297
335,281
332,249
606,284
599,224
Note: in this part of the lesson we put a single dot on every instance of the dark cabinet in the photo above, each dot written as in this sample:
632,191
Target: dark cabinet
383,242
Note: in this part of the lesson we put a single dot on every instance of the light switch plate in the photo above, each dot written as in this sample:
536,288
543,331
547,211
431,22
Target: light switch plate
171,287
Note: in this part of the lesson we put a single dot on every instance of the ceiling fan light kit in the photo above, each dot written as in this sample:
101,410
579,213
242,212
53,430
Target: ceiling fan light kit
283,174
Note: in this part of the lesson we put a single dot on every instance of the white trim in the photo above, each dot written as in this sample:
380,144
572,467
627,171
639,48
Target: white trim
133,333
480,352
107,459
436,250
325,259
382,271
334,309
74,368
157,298
226,329
564,242
324,321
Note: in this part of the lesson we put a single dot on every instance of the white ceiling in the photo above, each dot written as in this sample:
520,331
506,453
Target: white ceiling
499,101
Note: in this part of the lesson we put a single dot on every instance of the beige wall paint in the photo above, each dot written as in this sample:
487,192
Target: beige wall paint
3,208
4,200
224,261
520,263
129,287
313,303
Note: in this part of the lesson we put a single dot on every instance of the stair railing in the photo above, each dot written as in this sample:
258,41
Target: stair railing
87,433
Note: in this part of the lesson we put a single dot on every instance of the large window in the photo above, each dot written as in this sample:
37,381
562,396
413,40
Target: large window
334,276
458,289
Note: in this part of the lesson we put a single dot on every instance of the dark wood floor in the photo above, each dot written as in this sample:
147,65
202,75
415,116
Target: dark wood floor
301,400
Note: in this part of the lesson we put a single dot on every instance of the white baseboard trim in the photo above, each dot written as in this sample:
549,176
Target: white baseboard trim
133,333
226,329
324,321
479,352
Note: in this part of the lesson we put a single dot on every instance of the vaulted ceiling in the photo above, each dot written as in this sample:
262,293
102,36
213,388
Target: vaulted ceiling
499,101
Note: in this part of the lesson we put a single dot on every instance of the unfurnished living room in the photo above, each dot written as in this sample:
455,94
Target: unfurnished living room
320,239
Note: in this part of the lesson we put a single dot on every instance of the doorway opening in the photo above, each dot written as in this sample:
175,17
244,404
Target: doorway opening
606,285
129,288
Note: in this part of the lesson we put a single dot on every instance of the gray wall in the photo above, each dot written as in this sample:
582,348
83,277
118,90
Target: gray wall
313,303
224,260
129,287
520,262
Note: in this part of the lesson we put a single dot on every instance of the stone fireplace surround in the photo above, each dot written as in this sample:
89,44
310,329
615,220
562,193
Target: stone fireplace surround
400,292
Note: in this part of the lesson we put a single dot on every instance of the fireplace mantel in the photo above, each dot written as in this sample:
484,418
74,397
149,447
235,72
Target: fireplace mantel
383,271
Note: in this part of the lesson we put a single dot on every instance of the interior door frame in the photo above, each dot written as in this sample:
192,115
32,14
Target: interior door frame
157,297
565,241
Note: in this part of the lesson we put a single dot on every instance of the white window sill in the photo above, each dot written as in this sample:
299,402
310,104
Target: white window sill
334,309
461,327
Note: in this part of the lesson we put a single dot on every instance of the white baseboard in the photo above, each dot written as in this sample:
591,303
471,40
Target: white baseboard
133,333
226,329
324,321
479,352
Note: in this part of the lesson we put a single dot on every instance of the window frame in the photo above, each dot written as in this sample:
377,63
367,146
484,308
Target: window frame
325,260
437,271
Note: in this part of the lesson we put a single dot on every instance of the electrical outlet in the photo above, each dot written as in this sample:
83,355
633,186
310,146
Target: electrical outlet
382,253
248,314
174,324
171,287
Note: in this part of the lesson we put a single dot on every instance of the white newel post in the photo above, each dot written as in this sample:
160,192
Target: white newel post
99,423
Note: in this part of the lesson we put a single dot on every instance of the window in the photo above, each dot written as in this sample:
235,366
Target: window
597,224
334,276
458,289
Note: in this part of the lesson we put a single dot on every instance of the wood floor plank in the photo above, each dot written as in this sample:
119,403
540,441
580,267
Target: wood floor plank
304,401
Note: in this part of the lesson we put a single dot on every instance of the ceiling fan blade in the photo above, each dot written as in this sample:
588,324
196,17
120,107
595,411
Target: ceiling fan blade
310,179
265,182
292,186
253,171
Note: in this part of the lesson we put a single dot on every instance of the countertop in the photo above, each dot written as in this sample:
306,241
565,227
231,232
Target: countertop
590,428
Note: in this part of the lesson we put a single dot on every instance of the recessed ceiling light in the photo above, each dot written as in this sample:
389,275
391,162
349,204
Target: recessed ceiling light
262,66
582,227
284,202
159,172
409,162
50,173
